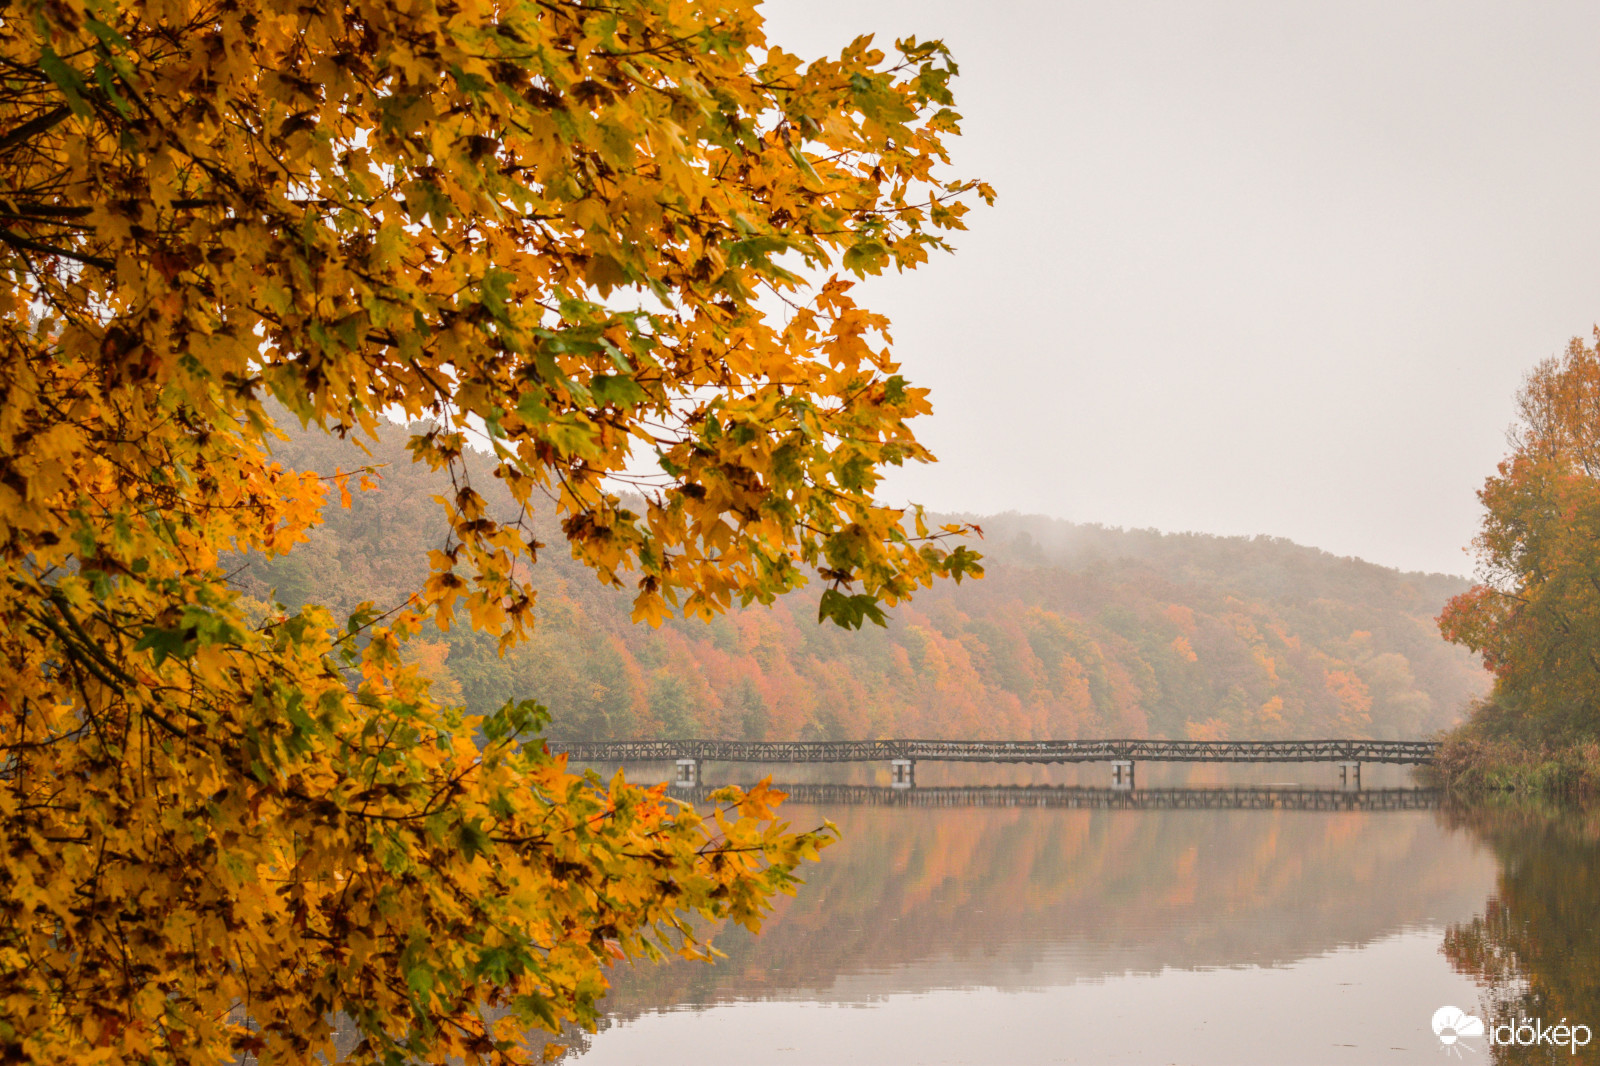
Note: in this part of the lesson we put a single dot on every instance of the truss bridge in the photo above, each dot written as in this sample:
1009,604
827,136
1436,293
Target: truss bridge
903,755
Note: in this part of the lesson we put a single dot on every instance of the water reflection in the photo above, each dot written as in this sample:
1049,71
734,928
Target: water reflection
1536,945
1219,798
1224,925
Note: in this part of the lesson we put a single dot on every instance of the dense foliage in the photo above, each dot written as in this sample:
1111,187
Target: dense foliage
1076,631
223,825
1535,617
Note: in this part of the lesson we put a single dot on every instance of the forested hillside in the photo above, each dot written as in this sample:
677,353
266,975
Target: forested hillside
1077,631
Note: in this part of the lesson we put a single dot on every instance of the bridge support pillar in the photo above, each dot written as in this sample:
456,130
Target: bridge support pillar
688,774
1349,775
1122,774
902,773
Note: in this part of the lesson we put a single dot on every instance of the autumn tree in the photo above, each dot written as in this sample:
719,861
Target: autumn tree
1535,616
611,240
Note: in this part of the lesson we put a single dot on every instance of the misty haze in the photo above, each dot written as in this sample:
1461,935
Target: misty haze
760,531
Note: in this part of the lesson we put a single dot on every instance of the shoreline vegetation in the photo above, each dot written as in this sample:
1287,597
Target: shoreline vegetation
1535,616
1493,752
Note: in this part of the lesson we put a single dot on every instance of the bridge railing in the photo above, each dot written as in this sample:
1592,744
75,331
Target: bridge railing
1027,751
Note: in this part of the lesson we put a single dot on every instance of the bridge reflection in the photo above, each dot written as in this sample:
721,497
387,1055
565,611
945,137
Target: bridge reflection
938,888
1231,798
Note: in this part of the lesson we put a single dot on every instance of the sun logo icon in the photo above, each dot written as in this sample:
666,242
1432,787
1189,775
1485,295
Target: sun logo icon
1450,1024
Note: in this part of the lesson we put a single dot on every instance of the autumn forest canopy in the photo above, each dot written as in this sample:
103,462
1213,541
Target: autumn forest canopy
1075,631
1535,617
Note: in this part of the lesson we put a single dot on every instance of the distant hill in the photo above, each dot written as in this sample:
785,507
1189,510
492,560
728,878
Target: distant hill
1077,631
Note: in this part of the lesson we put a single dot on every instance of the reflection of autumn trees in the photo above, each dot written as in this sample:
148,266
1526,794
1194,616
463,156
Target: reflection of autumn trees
1535,946
1077,631
1023,898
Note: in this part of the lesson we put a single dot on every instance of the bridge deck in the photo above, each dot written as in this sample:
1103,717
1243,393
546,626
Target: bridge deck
1020,751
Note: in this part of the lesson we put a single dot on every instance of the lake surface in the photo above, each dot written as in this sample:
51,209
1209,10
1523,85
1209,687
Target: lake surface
1048,934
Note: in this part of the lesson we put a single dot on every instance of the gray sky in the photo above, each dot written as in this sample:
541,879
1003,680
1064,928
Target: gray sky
1256,267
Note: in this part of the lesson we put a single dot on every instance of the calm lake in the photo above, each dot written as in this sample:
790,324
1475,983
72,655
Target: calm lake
984,931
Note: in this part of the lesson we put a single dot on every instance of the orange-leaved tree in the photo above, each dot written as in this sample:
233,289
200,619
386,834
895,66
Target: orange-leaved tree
1536,615
601,236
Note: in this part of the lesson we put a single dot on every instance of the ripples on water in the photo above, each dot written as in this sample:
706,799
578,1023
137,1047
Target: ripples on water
1049,933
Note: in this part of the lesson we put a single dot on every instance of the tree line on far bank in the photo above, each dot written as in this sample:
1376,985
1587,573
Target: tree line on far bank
1076,631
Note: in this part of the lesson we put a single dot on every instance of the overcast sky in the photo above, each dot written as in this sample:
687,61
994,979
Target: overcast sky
1256,267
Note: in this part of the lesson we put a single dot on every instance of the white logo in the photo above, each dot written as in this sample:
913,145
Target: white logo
1450,1024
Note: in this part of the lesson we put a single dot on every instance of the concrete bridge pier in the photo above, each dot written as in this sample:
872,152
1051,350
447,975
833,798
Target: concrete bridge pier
1122,774
1349,775
688,774
902,773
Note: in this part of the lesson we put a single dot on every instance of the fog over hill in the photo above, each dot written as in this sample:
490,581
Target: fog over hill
1077,631
1259,566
